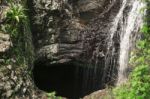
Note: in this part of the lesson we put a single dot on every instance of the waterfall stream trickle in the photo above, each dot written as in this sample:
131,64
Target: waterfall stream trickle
129,25
126,24
133,24
110,61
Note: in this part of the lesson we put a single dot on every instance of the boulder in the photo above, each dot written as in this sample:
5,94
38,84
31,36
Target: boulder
100,94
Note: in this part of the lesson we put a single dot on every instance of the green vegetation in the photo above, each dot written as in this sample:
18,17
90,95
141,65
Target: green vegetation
20,55
16,13
17,25
138,86
52,95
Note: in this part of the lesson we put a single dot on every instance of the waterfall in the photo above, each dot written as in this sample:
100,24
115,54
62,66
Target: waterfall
110,61
126,24
132,25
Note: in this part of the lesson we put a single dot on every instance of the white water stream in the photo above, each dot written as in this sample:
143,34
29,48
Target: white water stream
129,27
132,25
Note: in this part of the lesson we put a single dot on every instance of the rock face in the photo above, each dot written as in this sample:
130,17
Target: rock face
17,84
71,30
62,28
75,31
15,80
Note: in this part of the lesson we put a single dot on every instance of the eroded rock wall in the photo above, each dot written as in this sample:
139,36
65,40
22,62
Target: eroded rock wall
73,30
15,76
65,30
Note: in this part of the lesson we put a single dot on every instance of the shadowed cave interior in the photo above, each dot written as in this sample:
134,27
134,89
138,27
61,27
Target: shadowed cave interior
65,79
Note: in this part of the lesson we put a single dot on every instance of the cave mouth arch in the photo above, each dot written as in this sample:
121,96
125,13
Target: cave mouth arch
66,79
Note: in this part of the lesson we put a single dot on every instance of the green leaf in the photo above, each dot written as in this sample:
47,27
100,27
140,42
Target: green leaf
17,18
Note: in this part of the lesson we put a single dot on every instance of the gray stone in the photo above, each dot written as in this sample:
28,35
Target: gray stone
9,67
100,94
3,12
9,93
86,5
7,86
2,60
5,42
1,85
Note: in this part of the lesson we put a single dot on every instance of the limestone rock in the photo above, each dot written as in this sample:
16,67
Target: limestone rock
101,94
9,93
5,42
3,12
17,84
86,5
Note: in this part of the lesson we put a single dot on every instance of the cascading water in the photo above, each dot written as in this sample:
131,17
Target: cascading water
129,25
134,22
110,60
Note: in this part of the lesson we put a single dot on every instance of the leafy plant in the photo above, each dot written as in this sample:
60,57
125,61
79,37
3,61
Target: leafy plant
15,25
138,86
16,13
52,95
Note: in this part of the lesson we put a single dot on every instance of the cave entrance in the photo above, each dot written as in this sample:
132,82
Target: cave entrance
67,79
57,77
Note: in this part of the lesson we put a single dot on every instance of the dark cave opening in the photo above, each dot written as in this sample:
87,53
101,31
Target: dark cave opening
67,79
